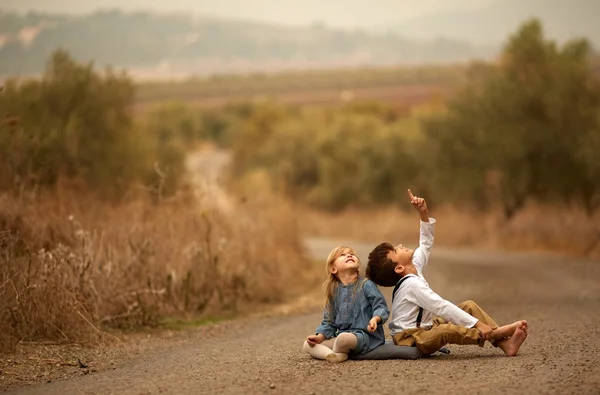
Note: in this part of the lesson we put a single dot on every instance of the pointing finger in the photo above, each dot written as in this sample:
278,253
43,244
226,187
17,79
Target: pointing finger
410,195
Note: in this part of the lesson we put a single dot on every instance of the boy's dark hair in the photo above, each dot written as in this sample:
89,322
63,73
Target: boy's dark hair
380,268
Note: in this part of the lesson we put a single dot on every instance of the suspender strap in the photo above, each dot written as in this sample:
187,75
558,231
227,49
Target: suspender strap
420,315
398,284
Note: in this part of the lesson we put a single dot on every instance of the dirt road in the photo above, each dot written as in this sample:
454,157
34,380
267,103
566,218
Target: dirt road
559,297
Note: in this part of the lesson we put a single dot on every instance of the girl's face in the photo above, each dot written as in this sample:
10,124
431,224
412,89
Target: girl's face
346,262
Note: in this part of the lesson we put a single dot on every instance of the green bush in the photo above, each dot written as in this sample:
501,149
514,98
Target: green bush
75,123
330,158
524,128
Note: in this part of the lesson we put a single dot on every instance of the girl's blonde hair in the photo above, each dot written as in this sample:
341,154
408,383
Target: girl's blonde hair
331,282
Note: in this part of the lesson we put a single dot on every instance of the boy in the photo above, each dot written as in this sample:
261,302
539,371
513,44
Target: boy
414,304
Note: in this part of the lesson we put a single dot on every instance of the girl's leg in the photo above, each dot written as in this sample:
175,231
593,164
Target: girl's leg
320,351
344,343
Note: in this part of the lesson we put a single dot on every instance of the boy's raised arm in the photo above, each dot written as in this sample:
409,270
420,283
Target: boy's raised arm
420,205
426,235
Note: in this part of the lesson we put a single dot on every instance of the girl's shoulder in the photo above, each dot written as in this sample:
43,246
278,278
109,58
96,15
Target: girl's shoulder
371,288
367,280
367,283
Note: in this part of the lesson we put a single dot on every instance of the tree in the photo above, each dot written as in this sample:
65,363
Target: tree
75,123
523,126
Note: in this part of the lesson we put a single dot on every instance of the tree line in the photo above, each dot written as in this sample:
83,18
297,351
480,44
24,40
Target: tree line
524,128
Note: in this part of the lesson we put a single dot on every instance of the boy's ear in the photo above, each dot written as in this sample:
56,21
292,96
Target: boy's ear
399,269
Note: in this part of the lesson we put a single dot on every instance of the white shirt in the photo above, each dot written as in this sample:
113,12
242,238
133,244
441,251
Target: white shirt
415,292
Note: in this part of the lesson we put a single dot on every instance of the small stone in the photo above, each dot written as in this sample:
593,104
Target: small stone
272,386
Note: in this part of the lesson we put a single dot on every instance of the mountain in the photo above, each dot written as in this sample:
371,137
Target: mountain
337,13
171,44
491,23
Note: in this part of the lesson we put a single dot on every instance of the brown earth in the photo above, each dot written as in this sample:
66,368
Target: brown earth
400,95
559,296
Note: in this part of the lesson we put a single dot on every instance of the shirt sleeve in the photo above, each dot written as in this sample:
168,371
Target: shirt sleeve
327,327
426,236
377,301
421,295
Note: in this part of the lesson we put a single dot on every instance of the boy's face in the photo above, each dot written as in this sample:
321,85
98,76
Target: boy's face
401,256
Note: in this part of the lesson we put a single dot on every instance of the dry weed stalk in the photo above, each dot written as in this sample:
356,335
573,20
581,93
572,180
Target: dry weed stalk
71,266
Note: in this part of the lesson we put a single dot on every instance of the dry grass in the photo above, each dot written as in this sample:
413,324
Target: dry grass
537,228
72,266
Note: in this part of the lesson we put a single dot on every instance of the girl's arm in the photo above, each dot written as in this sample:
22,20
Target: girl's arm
327,327
377,301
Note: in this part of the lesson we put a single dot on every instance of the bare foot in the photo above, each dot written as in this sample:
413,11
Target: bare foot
336,357
508,330
511,346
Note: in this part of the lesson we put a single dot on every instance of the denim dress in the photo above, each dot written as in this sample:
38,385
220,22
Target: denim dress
352,309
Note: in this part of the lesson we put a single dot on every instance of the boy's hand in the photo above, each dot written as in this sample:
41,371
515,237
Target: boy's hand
372,327
313,340
486,330
420,205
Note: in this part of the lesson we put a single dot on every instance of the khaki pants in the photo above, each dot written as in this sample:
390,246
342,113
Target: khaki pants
442,333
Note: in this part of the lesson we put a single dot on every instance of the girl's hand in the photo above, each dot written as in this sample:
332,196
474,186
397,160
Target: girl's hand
372,327
313,340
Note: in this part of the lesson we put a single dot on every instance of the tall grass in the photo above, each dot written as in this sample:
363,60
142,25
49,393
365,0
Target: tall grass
72,266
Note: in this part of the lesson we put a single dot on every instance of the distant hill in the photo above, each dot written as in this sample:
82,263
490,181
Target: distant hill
182,44
337,13
491,23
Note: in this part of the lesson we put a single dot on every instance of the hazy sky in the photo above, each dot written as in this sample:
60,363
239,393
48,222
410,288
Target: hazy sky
344,13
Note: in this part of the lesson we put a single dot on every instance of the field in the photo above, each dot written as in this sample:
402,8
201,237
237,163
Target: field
404,85
237,242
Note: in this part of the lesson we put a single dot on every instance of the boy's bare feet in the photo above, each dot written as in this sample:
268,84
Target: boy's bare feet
511,346
508,330
336,357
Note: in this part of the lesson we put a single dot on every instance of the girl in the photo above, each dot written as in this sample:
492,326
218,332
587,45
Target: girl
354,312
